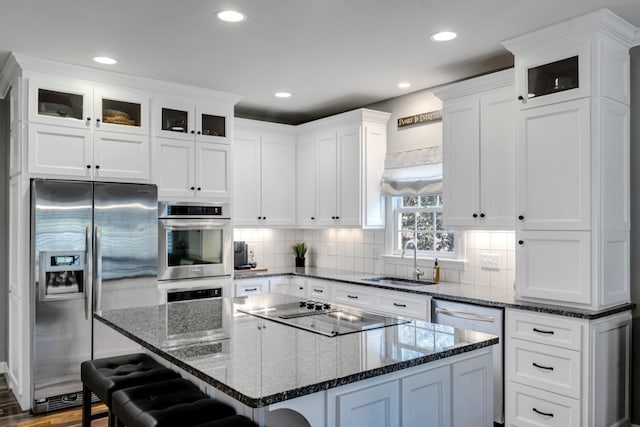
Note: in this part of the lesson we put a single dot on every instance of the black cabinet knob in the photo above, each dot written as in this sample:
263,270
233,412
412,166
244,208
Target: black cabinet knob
199,188
97,166
192,188
313,218
475,215
88,119
88,166
521,242
482,215
520,217
520,98
97,120
193,131
264,217
333,217
337,217
199,133
259,217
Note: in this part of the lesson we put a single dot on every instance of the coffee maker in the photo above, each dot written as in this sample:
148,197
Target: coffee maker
241,256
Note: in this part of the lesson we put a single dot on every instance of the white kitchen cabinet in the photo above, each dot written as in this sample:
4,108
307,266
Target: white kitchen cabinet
94,132
298,287
403,304
472,383
191,120
479,136
279,285
320,289
354,295
244,287
573,162
188,170
264,174
378,406
426,398
340,162
562,371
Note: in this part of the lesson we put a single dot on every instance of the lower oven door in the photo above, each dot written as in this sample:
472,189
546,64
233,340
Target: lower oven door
193,248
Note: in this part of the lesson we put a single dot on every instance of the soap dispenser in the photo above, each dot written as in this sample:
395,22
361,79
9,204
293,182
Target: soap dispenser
436,271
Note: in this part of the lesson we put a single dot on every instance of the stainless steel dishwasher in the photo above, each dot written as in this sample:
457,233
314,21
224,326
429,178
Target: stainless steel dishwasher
481,319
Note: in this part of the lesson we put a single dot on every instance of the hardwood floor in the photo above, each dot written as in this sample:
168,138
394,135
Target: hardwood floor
12,416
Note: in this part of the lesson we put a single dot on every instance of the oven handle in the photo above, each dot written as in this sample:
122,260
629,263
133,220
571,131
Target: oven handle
203,225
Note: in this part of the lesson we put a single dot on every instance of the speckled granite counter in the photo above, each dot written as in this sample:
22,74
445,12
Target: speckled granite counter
263,362
486,296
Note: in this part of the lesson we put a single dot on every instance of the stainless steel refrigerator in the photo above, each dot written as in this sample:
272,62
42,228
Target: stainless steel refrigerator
94,246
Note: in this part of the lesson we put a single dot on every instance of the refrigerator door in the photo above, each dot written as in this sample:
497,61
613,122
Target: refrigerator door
61,214
126,256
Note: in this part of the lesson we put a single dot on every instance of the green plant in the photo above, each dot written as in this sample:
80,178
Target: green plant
299,249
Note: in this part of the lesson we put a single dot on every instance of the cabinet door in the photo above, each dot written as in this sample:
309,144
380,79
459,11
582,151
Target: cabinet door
373,153
298,287
306,180
554,164
461,163
60,102
326,178
174,163
278,179
123,157
246,178
378,405
426,398
213,173
279,285
57,150
122,110
472,392
17,333
211,123
349,176
554,265
173,118
498,159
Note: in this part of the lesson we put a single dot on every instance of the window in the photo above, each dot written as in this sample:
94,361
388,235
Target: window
420,218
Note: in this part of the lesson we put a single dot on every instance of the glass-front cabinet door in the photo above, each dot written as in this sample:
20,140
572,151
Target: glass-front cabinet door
62,102
211,124
554,75
174,119
121,110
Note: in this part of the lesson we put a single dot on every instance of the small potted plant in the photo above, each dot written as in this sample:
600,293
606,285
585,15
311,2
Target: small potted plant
299,249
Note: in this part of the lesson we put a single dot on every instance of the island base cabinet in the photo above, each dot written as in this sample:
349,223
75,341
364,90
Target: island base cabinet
378,405
473,392
426,399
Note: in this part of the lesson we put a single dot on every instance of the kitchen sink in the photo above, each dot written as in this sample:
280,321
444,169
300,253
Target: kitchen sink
386,280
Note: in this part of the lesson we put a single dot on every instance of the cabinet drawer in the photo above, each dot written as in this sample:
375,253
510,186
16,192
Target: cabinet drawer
319,289
254,287
403,305
549,368
359,296
530,407
558,331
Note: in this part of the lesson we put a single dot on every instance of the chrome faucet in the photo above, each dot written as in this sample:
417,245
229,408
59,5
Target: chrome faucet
417,272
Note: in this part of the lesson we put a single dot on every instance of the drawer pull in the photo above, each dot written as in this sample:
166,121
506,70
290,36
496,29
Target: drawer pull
465,315
318,290
400,305
352,296
548,368
251,289
546,414
542,331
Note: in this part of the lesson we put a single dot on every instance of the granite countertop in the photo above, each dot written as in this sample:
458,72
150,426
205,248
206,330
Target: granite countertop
260,362
491,297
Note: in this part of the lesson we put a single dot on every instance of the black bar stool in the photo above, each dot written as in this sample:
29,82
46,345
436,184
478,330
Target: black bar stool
105,376
171,403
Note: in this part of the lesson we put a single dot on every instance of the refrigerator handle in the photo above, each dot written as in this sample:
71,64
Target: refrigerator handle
88,287
98,266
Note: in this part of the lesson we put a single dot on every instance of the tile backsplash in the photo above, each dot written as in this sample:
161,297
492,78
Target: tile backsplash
489,255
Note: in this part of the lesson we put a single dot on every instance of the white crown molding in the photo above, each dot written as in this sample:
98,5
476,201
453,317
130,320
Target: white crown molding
9,73
361,114
636,39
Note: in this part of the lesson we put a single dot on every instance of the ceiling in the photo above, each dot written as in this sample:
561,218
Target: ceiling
332,55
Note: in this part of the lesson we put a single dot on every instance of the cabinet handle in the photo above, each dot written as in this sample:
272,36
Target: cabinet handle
352,296
333,217
521,242
98,121
400,305
520,98
521,217
313,218
259,218
192,188
301,288
199,188
199,133
251,289
542,331
264,217
97,166
88,166
318,290
88,119
475,215
548,368
482,215
193,131
546,414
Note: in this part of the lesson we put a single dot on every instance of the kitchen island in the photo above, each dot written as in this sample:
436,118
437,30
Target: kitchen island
402,372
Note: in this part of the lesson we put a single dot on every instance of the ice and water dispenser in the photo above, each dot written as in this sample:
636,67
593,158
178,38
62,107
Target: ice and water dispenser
62,274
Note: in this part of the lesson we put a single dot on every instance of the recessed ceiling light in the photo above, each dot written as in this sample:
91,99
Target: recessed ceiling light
404,85
282,94
444,36
231,16
105,60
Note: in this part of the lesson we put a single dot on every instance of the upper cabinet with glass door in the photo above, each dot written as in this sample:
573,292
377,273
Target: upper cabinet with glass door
553,75
178,119
79,104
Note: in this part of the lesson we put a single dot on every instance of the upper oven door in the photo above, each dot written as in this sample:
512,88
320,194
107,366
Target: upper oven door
192,248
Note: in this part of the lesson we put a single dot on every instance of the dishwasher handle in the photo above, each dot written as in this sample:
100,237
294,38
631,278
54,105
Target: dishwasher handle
465,315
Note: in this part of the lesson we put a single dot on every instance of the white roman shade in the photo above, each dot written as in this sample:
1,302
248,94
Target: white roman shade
413,172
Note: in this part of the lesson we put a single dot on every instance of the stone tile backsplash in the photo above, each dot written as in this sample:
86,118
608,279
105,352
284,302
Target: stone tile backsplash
361,251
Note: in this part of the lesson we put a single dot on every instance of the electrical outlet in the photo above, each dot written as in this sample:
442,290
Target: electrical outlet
489,261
